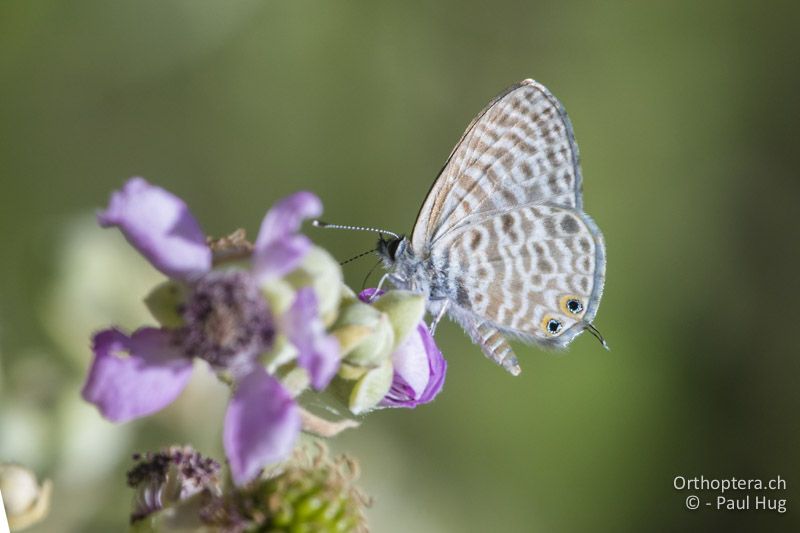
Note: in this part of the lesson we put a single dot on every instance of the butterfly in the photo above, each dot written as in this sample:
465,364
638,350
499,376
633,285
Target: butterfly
501,243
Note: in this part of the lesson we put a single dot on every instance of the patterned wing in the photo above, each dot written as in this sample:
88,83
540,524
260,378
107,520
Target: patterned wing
533,272
519,150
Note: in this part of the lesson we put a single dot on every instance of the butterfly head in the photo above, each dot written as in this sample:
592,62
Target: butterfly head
389,249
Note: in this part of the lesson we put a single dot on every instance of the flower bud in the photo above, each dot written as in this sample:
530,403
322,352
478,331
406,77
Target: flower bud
351,372
281,353
356,321
347,292
322,272
373,350
279,294
371,388
26,502
419,368
164,303
405,310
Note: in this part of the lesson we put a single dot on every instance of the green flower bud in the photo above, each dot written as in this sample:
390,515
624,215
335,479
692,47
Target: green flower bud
348,293
26,502
282,352
371,388
295,380
351,336
373,350
279,294
351,372
322,272
164,303
356,322
405,310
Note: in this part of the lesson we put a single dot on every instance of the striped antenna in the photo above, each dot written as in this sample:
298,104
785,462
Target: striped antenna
362,254
321,224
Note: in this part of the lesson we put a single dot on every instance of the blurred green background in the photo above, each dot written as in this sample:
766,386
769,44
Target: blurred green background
686,114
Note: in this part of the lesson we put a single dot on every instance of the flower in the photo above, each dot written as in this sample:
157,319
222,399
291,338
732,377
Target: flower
219,315
419,370
419,367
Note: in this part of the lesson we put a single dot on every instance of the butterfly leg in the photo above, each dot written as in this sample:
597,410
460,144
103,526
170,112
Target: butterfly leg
438,317
377,291
495,346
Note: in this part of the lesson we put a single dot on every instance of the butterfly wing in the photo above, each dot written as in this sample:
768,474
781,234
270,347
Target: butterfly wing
519,150
535,272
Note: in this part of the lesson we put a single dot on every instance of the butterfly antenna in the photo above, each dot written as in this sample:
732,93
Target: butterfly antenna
321,224
593,330
371,270
356,257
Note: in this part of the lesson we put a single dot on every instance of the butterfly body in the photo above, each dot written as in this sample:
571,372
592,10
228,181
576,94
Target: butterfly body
501,242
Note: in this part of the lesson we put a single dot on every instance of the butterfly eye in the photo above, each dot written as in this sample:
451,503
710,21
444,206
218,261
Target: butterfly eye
392,248
571,305
552,326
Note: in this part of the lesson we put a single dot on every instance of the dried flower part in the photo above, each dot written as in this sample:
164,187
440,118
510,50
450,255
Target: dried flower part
313,493
232,247
26,501
164,478
322,427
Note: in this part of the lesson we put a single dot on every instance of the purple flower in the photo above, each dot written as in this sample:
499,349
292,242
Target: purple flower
226,322
419,367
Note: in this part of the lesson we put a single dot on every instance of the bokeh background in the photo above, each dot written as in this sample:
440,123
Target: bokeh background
686,114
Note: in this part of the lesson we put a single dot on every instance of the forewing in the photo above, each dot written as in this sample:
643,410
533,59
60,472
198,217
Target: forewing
518,269
519,150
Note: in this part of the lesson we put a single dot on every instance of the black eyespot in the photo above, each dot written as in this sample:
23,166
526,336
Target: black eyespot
553,326
574,306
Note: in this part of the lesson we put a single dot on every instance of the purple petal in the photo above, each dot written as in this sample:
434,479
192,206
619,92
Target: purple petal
148,379
366,295
410,361
160,226
318,352
278,248
419,373
261,425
